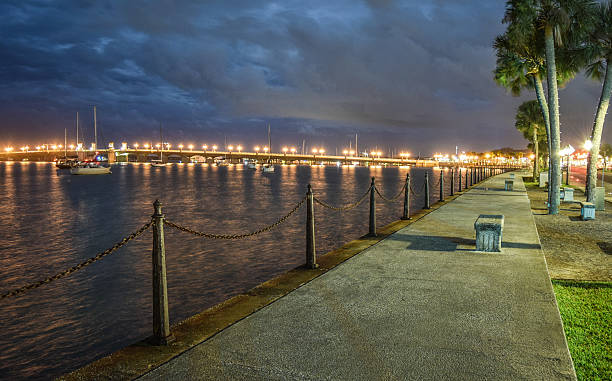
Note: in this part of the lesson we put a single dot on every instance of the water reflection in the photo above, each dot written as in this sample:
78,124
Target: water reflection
54,220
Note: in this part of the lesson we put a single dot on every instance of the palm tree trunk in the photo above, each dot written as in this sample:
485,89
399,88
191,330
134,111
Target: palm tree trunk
544,106
600,117
555,131
536,161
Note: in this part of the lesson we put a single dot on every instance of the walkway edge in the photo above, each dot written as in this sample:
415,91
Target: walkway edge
140,358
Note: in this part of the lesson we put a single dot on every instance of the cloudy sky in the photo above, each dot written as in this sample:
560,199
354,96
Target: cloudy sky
412,75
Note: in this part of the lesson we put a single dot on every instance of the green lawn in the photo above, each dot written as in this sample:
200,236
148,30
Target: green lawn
586,310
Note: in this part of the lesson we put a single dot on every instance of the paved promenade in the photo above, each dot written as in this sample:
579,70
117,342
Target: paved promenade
420,304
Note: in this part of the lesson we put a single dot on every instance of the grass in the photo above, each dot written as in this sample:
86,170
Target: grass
586,310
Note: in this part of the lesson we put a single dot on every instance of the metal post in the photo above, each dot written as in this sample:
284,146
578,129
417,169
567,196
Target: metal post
466,178
311,255
161,320
406,215
427,206
373,208
460,179
452,182
441,185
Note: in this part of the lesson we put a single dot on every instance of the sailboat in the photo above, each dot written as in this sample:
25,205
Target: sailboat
90,168
65,162
268,167
160,162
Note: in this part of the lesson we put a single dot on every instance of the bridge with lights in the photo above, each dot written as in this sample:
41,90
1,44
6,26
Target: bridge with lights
180,155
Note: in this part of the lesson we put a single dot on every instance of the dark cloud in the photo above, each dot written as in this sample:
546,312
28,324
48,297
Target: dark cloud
401,73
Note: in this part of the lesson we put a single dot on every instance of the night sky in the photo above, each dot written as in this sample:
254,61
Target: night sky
401,74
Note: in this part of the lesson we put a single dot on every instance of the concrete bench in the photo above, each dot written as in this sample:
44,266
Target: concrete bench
567,194
489,230
587,210
509,185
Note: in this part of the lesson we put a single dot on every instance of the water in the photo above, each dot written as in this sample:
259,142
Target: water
52,221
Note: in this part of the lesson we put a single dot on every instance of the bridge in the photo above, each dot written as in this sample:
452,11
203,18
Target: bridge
186,156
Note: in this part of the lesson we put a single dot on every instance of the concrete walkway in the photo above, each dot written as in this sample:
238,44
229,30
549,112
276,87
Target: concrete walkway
419,305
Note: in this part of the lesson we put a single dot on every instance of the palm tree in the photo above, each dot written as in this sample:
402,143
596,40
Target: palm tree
530,122
556,19
597,53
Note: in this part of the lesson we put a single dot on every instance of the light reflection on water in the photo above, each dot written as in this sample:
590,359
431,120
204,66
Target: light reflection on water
53,221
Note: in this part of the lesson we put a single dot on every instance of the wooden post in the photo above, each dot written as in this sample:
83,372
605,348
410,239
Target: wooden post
452,182
441,185
161,320
311,255
372,232
427,206
406,215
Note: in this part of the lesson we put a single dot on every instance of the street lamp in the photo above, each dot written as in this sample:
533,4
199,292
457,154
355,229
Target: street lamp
239,148
293,150
191,147
266,149
214,148
204,147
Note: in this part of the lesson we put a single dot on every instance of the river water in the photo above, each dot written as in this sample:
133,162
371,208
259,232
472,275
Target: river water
52,221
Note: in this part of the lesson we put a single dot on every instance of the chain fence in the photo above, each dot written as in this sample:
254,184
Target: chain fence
344,208
394,198
81,265
236,236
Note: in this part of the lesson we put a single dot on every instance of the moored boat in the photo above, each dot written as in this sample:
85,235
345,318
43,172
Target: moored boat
90,169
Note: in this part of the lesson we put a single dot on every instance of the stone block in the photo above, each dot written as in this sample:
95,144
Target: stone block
600,198
587,211
567,194
509,185
489,230
543,179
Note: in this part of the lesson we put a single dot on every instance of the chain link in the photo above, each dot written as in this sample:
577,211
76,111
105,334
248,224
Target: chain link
236,236
394,198
419,192
344,208
88,262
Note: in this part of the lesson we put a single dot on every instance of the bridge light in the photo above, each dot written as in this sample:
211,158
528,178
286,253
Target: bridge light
292,149
321,150
230,147
205,147
71,146
314,150
239,148
285,149
180,146
215,147
257,148
146,145
158,145
352,152
136,145
345,152
266,149
190,147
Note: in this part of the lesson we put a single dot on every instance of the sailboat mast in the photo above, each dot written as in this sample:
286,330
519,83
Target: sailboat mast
161,147
77,129
356,150
269,143
95,130
65,142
